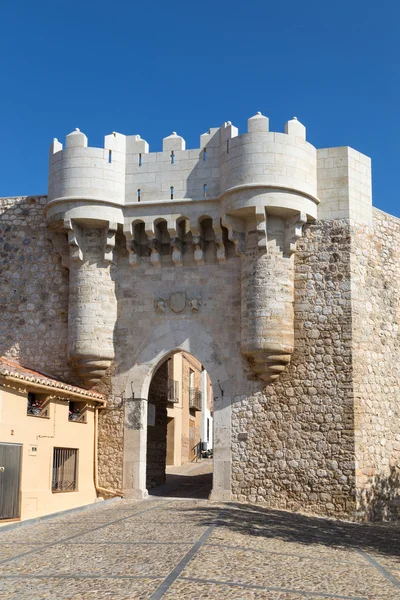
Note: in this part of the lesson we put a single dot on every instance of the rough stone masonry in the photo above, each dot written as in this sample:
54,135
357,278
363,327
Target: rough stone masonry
257,253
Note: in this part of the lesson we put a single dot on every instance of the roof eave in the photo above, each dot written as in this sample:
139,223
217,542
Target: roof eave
29,382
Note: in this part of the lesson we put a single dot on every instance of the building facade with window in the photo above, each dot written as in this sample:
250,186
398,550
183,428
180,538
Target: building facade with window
47,448
189,410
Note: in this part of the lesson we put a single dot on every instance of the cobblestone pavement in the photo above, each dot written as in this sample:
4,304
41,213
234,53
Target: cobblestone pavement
174,547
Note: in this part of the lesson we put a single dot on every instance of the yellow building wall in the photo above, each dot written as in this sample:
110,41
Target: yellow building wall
176,412
16,427
187,423
190,363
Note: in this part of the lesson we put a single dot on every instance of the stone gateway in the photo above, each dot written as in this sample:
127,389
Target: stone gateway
260,255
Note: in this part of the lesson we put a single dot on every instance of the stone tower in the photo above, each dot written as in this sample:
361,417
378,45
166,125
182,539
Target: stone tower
253,191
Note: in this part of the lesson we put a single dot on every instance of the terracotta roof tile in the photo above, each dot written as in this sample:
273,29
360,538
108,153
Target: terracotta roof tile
12,369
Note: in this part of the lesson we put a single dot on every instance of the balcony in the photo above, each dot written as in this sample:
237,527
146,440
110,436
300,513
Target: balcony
195,399
37,411
37,406
76,412
173,391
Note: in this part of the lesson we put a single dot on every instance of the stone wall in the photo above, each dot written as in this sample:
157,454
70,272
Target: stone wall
110,435
157,434
376,357
293,444
33,291
139,322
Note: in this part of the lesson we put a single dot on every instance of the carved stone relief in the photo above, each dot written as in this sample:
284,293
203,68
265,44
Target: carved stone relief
177,302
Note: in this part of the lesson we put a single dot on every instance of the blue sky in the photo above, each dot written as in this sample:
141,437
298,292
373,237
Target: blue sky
153,67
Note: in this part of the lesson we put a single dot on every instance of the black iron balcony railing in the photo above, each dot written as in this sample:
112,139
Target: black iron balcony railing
195,398
173,391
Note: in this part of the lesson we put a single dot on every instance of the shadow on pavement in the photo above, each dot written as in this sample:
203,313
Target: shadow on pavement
184,486
253,520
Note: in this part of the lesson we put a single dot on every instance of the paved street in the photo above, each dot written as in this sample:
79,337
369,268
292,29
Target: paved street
176,546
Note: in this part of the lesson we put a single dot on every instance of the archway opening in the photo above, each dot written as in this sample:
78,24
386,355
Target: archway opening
179,453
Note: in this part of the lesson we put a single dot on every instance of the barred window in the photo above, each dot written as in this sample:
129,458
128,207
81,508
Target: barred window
64,470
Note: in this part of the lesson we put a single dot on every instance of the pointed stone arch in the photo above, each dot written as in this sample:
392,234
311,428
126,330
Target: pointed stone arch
171,337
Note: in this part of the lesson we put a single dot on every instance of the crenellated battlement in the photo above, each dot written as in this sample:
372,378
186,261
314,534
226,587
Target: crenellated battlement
132,144
125,172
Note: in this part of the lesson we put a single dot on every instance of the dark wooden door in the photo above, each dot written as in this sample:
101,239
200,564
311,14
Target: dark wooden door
10,478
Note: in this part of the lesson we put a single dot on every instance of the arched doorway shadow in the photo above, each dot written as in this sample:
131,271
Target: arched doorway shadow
175,336
197,487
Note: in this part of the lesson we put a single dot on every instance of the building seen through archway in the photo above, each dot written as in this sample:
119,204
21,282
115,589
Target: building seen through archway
180,421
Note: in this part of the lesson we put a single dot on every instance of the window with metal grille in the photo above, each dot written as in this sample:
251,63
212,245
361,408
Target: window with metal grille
64,470
173,390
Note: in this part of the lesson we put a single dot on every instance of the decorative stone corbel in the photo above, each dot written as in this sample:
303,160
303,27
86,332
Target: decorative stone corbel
236,232
110,242
155,249
154,244
131,246
261,225
59,241
198,244
293,232
176,245
219,243
73,240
